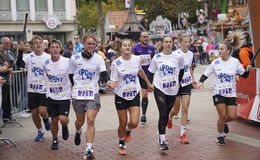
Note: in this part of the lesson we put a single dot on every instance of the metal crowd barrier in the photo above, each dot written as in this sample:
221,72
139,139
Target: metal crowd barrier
4,139
18,95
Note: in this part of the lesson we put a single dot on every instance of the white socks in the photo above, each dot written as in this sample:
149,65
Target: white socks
162,138
89,146
41,129
78,131
221,134
183,130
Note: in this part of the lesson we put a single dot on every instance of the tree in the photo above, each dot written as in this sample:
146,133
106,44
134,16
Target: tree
89,14
101,21
171,8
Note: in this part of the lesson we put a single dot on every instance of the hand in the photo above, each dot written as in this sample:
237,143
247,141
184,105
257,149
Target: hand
150,87
199,85
10,70
2,81
237,78
6,64
3,68
248,68
111,84
194,84
141,60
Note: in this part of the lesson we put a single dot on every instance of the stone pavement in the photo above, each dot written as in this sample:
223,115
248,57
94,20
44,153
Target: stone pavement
243,143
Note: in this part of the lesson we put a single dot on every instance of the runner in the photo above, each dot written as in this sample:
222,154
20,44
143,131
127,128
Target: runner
225,70
184,92
58,92
126,87
146,52
36,83
85,68
167,68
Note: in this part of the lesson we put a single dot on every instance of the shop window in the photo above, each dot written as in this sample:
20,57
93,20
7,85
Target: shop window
41,5
5,5
59,5
23,5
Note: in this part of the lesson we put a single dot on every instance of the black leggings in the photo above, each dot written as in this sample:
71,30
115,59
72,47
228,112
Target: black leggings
164,104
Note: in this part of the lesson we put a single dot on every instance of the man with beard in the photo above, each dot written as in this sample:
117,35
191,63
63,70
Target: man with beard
146,52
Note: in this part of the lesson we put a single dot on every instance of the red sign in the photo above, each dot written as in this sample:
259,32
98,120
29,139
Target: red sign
246,93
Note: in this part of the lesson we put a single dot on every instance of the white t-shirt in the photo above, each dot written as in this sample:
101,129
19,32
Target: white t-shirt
166,69
86,75
58,83
225,72
188,57
36,77
125,73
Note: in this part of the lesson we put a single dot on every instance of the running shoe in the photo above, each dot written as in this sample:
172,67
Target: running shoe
65,132
122,147
55,144
39,136
220,141
183,139
143,119
89,155
226,129
127,136
47,125
163,145
77,138
169,124
176,117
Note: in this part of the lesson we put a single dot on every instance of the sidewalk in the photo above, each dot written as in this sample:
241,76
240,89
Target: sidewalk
142,147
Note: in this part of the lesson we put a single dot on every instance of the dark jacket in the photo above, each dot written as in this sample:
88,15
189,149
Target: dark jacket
4,58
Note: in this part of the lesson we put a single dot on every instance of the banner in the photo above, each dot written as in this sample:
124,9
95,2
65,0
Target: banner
246,93
255,111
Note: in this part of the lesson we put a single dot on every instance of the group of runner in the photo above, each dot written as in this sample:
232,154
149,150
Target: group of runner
53,81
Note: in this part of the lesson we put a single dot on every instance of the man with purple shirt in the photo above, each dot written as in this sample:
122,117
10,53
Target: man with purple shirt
146,52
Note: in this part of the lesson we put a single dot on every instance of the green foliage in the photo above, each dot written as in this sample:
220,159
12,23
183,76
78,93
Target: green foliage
171,8
88,13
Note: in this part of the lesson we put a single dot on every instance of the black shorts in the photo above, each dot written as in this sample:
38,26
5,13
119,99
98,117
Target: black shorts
122,104
218,99
186,90
58,107
142,83
35,100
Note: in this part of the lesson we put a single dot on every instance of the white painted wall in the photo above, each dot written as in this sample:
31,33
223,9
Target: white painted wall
13,10
32,10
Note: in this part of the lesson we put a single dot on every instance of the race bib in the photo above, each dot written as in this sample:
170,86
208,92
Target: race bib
55,88
169,83
146,59
129,92
85,92
187,79
225,89
37,86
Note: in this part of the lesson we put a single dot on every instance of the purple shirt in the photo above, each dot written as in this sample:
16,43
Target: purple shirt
147,54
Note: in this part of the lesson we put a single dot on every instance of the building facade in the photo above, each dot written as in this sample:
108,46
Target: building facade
51,19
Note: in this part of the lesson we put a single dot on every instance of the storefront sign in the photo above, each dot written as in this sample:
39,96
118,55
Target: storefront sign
51,23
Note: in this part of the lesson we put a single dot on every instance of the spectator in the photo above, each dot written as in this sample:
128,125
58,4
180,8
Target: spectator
46,46
15,48
6,63
68,49
78,46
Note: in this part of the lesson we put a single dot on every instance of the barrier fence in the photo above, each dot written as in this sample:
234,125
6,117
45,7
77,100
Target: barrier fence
18,95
